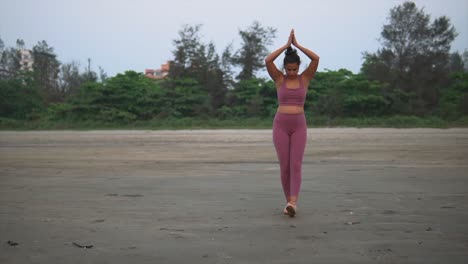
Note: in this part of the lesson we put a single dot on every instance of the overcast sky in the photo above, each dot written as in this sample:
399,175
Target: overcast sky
122,35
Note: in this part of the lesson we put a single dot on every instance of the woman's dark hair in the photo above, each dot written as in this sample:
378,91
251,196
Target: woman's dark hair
291,56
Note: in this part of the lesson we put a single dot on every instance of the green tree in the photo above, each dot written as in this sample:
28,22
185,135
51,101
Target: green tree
227,66
102,74
255,97
186,51
414,57
454,99
89,75
20,98
465,60
46,70
456,63
250,57
198,61
10,59
184,97
69,79
344,94
124,98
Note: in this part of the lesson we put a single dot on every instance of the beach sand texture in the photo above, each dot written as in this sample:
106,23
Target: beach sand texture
214,196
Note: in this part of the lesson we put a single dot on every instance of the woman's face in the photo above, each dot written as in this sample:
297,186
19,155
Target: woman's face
291,69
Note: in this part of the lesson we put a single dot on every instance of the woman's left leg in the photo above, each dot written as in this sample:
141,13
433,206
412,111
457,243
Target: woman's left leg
297,148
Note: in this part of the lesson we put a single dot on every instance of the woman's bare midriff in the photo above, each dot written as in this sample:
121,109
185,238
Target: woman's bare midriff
290,109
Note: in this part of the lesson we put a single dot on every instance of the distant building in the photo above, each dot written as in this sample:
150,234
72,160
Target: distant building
158,73
26,60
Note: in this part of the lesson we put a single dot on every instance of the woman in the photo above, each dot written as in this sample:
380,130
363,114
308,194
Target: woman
289,125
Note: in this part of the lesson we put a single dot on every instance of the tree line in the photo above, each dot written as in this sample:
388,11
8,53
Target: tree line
412,73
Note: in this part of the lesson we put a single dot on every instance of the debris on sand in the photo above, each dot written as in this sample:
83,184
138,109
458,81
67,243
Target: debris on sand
11,243
81,246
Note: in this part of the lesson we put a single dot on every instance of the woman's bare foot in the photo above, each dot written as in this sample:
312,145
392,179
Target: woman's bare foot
291,209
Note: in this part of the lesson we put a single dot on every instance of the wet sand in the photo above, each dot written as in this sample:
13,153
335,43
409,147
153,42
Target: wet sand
214,196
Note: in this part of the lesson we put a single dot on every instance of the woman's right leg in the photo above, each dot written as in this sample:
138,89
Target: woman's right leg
282,142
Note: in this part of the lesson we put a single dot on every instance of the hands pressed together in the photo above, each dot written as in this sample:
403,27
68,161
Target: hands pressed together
292,39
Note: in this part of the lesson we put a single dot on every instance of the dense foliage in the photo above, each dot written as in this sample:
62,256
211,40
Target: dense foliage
413,74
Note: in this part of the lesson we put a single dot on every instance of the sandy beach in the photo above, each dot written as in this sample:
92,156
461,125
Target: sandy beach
214,196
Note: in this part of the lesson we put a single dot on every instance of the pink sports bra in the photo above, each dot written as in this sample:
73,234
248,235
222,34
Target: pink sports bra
288,96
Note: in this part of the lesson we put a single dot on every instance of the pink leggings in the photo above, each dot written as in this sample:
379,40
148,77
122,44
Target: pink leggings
290,137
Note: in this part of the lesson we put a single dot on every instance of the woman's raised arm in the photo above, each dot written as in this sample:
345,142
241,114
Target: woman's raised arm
308,73
273,71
